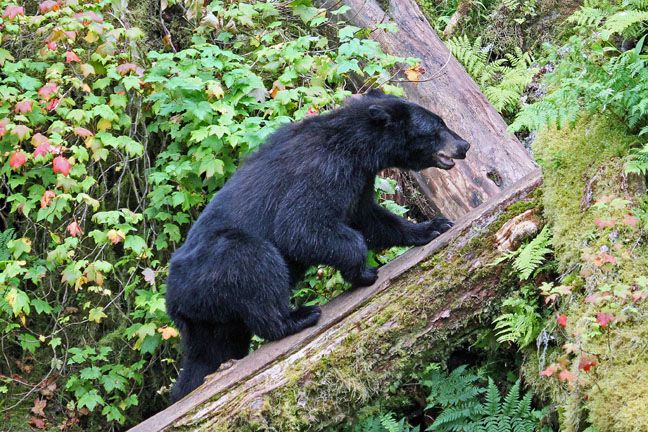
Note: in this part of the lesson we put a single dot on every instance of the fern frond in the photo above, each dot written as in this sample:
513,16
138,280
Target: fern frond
5,237
621,21
511,399
533,254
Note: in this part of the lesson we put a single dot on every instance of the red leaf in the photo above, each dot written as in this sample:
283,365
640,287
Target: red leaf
47,90
23,107
70,56
42,150
74,229
60,164
12,11
604,258
88,17
51,46
17,159
550,370
630,221
587,362
53,104
604,223
48,6
3,126
47,198
82,132
21,131
38,423
39,406
603,319
312,111
125,68
565,375
562,320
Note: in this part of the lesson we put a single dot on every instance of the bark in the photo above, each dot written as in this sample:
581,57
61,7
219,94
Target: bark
462,10
496,159
424,303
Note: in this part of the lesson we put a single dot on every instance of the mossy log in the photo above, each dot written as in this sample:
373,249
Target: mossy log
496,159
424,303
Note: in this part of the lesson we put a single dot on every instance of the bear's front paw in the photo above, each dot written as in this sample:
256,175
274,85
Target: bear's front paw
367,276
428,231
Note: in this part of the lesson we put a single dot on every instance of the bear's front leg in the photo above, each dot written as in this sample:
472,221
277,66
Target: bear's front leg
334,244
383,229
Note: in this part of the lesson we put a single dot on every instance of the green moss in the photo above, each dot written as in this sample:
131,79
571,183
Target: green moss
590,153
582,166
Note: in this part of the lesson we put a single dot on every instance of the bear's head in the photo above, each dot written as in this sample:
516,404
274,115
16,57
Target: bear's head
416,138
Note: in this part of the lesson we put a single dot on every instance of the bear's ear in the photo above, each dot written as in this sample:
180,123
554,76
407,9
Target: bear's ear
379,114
375,93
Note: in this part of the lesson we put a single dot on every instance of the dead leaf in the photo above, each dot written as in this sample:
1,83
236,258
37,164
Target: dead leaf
38,423
39,407
168,332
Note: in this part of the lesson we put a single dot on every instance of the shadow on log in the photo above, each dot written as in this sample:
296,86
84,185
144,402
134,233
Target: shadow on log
424,303
496,158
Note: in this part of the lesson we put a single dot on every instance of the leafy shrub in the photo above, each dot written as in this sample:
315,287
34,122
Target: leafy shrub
108,155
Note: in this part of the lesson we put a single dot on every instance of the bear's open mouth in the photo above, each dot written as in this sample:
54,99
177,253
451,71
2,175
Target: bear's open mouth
445,162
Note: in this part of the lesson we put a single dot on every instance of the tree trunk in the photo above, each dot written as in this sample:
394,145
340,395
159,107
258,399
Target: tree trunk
424,303
496,159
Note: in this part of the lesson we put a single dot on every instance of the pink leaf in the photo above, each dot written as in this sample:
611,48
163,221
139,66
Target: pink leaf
70,56
47,90
17,159
603,319
74,229
61,165
562,320
12,11
24,106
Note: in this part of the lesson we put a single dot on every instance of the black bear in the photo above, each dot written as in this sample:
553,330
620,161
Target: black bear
306,197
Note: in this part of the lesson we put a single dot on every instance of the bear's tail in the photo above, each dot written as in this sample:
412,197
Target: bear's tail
206,346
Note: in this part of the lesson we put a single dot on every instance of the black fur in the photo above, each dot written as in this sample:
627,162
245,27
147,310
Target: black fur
306,197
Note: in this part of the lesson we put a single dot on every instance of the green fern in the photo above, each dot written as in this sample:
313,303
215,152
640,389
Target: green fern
533,255
502,80
6,236
473,408
385,423
595,71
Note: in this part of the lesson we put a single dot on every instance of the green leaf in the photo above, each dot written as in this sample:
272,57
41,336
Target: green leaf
97,315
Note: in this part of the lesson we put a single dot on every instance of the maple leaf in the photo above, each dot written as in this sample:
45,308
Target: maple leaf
23,107
82,132
53,104
312,111
604,258
604,223
17,159
38,423
630,221
115,236
47,198
48,6
60,164
51,45
70,57
562,320
42,150
21,131
74,229
88,17
587,362
12,11
414,73
39,139
39,406
125,68
550,370
149,275
87,69
603,319
3,126
47,90
168,332
565,375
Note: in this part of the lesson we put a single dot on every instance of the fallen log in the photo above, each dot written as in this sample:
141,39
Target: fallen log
496,159
424,303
